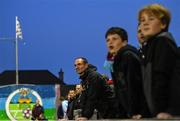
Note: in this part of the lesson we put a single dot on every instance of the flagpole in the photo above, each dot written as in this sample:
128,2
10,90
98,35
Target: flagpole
17,62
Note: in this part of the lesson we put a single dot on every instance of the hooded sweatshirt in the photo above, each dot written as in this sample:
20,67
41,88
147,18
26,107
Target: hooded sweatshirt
128,82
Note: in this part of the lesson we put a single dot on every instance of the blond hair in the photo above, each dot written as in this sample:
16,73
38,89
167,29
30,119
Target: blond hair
159,11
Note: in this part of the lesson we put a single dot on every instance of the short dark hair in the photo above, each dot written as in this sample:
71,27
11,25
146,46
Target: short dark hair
117,30
83,58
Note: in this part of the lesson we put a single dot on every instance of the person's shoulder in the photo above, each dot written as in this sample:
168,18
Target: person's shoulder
94,74
64,101
131,52
126,50
165,38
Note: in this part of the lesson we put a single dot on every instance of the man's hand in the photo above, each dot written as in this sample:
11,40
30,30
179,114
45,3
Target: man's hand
81,119
163,115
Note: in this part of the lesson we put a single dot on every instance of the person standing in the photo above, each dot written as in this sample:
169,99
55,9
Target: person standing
94,87
160,59
124,63
38,112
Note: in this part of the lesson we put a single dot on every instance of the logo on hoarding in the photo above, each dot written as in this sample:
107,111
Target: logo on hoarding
20,102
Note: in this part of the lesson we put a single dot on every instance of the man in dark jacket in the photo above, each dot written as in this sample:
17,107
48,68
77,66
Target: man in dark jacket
94,87
126,74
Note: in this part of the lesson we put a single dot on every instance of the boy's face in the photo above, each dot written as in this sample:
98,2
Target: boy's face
114,43
140,35
150,24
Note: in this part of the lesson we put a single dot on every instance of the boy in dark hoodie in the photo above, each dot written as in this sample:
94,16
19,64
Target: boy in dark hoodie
125,67
160,60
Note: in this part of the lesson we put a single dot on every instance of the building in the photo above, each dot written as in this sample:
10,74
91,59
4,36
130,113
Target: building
30,77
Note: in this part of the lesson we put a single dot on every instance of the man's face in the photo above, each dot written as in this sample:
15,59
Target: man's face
71,94
78,88
114,43
80,66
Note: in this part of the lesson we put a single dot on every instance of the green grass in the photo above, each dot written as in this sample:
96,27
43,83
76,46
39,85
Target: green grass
50,113
16,111
3,115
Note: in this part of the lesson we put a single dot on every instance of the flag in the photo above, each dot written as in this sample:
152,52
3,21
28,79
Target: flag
18,29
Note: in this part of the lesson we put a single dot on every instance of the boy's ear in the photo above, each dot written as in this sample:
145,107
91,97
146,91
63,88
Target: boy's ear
125,42
163,26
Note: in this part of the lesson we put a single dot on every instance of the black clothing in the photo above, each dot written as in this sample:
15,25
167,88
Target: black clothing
160,58
93,95
141,52
38,113
76,103
174,107
128,82
70,110
60,113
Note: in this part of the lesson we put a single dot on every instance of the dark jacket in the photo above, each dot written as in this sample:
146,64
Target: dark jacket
174,103
141,51
60,113
128,82
160,58
37,112
76,103
94,88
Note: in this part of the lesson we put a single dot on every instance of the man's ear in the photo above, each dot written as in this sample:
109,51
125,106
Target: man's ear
86,65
